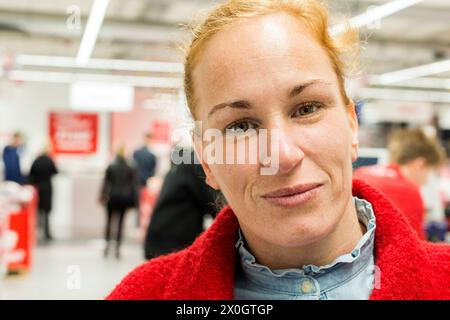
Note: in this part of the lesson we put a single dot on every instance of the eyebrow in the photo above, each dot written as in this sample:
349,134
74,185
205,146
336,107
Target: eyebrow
299,88
243,104
240,104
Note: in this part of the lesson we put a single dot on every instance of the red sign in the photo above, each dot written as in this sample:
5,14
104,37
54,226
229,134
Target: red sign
21,237
160,131
73,133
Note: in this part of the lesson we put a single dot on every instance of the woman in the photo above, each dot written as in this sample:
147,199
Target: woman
118,194
178,216
299,233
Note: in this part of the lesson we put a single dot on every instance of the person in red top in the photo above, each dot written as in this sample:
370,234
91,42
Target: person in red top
412,155
261,72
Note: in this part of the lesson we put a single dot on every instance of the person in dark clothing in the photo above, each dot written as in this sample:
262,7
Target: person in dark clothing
11,160
118,194
41,172
178,216
145,161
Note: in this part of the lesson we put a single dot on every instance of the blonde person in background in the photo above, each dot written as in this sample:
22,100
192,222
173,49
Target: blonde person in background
305,231
413,156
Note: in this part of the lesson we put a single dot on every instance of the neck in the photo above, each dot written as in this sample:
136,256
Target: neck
341,240
408,173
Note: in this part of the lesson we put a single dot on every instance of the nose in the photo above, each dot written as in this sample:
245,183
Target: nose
290,154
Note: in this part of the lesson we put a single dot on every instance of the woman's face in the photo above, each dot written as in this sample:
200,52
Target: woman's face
268,73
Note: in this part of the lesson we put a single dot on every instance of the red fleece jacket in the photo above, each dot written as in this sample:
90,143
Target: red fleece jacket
404,194
410,268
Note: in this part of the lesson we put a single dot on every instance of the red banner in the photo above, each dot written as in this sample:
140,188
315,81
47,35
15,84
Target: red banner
21,237
160,131
73,133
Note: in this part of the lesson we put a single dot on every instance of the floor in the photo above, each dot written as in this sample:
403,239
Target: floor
72,270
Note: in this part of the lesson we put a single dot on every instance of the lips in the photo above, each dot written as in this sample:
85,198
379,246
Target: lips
293,196
286,192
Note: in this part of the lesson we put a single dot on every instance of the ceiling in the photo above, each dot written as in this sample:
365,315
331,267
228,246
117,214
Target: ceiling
150,30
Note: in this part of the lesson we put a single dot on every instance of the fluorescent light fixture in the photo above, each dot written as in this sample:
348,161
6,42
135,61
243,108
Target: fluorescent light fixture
69,77
100,64
405,95
425,83
93,26
412,73
373,15
101,96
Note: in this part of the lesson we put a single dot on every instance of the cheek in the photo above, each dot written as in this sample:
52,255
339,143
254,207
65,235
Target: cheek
329,140
328,145
234,179
425,176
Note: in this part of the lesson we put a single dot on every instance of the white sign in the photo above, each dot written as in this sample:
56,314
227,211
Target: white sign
411,112
98,96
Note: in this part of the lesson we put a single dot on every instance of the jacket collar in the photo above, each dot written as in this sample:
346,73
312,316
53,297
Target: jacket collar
404,271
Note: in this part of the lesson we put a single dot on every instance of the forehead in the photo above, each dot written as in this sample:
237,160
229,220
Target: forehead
256,52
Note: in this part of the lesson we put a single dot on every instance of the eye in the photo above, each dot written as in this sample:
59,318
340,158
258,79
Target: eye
240,127
307,109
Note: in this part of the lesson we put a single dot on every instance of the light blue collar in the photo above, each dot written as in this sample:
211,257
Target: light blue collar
329,276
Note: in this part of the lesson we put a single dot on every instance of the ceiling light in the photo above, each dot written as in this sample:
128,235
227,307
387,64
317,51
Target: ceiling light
70,77
425,83
373,15
405,95
102,64
412,73
93,26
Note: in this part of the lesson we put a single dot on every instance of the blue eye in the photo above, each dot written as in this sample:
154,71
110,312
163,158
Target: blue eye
306,109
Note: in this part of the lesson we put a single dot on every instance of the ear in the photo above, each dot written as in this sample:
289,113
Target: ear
353,120
198,148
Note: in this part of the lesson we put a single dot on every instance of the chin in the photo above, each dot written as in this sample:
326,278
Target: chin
305,233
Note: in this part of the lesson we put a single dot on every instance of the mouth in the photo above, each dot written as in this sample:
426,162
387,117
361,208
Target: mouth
293,196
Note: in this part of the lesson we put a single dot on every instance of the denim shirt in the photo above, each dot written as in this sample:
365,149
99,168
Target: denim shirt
350,276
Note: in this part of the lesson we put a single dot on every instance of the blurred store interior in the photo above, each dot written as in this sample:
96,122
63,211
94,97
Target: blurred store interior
84,95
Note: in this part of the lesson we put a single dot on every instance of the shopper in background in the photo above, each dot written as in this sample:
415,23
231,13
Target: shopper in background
119,193
413,156
42,170
302,231
184,201
145,161
434,202
11,159
439,229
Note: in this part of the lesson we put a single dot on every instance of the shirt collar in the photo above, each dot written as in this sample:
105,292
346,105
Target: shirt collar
341,269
